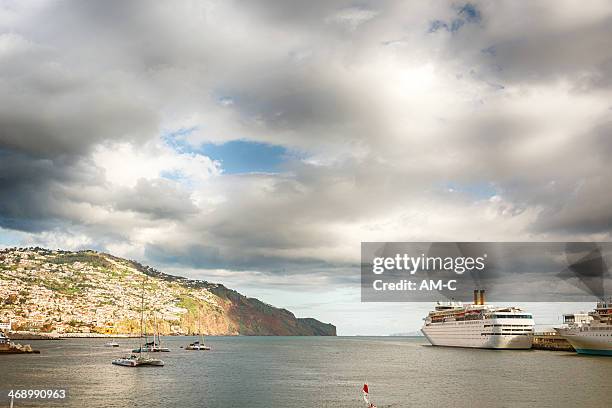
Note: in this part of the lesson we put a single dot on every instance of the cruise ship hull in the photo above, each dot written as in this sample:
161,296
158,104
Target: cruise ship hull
589,342
472,336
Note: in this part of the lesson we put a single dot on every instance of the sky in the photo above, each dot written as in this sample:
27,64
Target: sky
258,143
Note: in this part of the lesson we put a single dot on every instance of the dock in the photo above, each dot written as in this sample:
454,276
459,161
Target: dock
550,341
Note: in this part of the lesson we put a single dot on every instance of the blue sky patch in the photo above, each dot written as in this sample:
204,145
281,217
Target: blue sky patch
236,156
176,139
241,156
9,238
437,25
470,13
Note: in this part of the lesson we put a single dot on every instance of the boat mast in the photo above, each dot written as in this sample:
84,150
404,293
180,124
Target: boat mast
142,330
200,328
156,330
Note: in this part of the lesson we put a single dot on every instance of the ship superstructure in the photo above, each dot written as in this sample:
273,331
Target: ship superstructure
478,325
590,333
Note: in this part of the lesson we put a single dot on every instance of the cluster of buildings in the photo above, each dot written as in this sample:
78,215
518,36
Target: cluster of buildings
83,292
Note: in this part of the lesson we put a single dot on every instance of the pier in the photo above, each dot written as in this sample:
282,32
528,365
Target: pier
550,341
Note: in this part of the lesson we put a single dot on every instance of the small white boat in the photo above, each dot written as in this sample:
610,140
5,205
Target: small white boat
136,361
111,344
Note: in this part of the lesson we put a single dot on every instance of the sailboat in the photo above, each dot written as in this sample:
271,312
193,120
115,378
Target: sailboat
366,396
155,345
136,360
198,345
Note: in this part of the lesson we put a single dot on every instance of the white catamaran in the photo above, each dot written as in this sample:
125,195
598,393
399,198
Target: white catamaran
155,345
136,360
198,345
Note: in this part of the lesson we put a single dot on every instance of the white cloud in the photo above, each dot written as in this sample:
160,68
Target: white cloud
59,240
124,164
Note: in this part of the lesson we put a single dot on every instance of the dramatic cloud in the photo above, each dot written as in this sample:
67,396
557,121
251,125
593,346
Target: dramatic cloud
390,121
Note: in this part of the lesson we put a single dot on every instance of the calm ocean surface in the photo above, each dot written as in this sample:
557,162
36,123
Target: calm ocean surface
292,372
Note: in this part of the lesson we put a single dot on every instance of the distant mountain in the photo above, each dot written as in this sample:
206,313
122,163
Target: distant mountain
88,291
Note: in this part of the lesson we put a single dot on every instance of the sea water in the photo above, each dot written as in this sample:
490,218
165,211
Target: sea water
289,372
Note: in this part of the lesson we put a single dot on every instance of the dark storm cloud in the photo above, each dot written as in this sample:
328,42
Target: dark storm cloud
27,186
51,108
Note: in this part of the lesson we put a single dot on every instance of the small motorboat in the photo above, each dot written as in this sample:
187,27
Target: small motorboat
111,344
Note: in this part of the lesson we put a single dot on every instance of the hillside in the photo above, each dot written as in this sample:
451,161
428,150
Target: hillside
88,291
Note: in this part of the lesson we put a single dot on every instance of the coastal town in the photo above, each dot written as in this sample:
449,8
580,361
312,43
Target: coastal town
87,292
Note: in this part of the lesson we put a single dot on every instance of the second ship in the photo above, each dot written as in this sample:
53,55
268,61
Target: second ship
590,333
479,325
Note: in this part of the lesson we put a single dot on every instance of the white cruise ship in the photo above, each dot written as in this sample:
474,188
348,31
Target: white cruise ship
590,333
478,325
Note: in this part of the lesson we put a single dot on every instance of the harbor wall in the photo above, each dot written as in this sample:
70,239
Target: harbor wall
551,341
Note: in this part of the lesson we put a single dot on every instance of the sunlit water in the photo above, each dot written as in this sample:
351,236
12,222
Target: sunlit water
309,372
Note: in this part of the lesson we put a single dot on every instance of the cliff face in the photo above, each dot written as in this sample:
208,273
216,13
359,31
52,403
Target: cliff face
256,318
90,291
